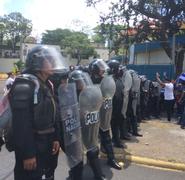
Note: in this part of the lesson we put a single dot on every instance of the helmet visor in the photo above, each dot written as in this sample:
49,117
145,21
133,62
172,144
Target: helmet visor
102,65
46,58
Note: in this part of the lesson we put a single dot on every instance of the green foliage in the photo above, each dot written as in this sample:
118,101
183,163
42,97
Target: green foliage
15,28
19,65
150,19
76,44
111,33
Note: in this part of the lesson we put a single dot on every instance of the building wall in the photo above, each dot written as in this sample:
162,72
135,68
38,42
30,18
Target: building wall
103,53
6,64
27,46
154,57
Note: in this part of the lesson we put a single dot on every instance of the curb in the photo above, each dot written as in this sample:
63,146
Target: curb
157,163
148,161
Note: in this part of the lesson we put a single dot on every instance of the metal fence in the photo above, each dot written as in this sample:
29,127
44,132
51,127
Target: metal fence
150,70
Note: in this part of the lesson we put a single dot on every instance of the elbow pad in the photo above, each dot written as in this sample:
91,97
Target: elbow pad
21,94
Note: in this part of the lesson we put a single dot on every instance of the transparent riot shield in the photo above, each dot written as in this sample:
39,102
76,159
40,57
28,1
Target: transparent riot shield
135,91
90,101
127,82
70,120
108,88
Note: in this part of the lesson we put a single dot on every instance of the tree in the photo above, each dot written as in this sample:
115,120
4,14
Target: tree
152,20
18,66
76,44
18,28
30,39
109,33
2,34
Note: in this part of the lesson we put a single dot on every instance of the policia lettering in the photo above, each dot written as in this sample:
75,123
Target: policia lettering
91,117
71,121
107,103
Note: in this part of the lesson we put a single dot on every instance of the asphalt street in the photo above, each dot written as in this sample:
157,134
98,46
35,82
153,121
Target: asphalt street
130,171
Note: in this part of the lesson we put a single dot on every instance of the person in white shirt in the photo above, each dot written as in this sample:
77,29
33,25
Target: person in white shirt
168,95
9,80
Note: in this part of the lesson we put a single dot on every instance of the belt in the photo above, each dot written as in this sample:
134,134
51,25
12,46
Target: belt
45,131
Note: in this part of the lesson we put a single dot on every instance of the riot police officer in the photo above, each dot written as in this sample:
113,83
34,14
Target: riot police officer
70,125
117,119
99,75
35,126
133,103
90,100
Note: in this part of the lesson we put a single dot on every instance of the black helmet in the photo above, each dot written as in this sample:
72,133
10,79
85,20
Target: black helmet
43,54
76,75
98,65
80,77
114,66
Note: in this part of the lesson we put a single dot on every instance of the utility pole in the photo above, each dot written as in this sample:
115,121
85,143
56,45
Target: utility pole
173,52
173,49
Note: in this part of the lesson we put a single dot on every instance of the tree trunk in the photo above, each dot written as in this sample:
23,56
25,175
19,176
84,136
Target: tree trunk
179,58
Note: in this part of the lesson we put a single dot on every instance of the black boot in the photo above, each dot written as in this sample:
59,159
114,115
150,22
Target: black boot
76,172
114,164
115,137
107,144
134,127
124,130
94,162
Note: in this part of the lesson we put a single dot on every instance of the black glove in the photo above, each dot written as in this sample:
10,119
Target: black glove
1,142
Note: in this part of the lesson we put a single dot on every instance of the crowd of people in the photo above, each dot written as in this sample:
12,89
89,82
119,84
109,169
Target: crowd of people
76,109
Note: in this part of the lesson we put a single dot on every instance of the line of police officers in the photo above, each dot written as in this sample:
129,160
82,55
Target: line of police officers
71,113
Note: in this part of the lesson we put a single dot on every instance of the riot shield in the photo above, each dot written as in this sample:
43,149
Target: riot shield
127,82
70,121
90,101
135,91
147,85
108,88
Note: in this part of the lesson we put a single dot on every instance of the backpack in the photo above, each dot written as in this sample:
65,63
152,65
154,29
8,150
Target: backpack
6,134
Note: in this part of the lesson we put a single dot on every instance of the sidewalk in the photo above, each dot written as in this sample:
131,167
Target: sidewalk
162,144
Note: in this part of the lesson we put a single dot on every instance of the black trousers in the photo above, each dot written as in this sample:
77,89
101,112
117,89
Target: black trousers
169,108
155,106
48,170
46,162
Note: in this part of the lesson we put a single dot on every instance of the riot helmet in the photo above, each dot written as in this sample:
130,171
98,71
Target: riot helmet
59,79
143,78
81,79
98,67
45,58
114,66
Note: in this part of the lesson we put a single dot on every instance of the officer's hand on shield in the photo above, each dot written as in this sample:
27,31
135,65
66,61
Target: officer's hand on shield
157,75
30,164
56,147
1,142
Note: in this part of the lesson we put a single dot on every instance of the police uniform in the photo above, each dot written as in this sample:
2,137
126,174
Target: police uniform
35,125
105,116
35,128
89,125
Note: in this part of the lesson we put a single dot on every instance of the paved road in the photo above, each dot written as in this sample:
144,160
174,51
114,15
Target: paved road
2,84
131,172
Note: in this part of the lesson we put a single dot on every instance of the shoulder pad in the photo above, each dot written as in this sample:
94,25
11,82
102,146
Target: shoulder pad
21,93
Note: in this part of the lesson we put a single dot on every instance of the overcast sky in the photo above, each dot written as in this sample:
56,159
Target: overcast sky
52,14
